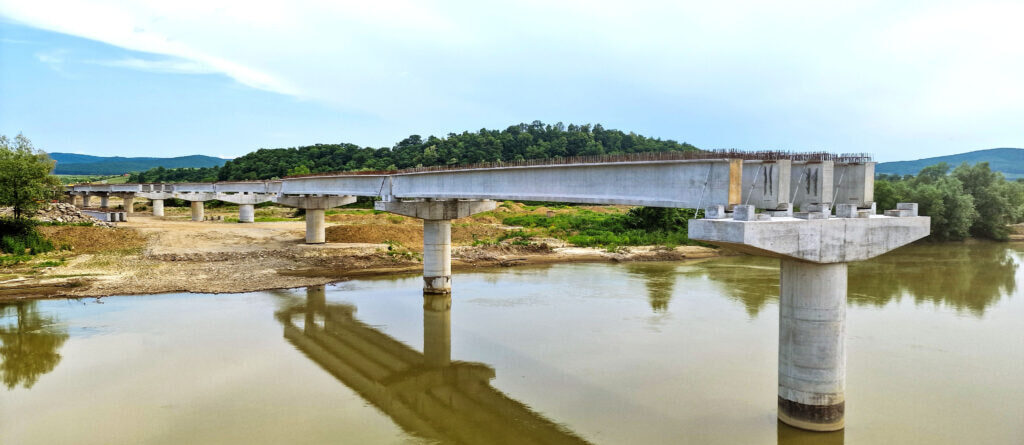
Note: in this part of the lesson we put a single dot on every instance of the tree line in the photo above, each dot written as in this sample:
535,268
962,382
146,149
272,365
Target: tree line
969,201
535,140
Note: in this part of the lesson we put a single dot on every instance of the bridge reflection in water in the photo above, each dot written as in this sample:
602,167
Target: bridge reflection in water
427,394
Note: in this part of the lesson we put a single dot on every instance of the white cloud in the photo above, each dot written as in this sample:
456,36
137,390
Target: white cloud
160,66
53,59
850,76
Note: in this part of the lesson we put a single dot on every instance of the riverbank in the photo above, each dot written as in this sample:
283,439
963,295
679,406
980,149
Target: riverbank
172,254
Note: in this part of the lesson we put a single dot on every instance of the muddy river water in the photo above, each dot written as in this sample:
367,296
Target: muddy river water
641,353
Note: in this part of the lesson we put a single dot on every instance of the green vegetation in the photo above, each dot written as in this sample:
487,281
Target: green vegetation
970,201
96,179
518,142
1008,161
20,240
25,180
76,164
640,226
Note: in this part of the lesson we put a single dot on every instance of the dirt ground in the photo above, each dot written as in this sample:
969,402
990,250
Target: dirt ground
158,255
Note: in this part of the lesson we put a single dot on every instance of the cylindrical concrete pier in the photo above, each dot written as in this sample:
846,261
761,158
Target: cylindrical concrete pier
246,213
437,256
158,207
198,211
85,201
437,330
104,202
129,204
315,231
812,345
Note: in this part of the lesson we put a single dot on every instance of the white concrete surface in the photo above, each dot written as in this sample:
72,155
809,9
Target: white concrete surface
198,211
437,256
316,232
246,213
812,344
158,207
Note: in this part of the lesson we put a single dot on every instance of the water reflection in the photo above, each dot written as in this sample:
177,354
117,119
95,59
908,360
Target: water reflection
660,281
30,342
427,393
788,435
965,277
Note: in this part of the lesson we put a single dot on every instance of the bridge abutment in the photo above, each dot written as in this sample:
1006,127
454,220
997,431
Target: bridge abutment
437,219
814,250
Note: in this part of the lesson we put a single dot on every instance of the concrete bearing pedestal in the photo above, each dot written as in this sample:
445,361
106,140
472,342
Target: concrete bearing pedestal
198,210
246,213
814,250
812,344
158,207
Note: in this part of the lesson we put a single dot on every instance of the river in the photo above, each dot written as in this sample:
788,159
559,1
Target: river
639,353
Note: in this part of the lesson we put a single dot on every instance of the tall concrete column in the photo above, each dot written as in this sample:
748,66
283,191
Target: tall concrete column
316,233
437,330
246,213
437,256
198,211
85,200
812,344
158,207
129,204
814,249
104,202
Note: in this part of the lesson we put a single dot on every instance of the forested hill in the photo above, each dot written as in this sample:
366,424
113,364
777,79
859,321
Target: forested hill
518,142
1009,161
76,164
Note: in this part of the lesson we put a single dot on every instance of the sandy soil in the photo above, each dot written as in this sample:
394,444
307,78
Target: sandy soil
157,255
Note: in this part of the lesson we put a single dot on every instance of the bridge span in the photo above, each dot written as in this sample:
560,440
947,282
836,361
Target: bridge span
749,202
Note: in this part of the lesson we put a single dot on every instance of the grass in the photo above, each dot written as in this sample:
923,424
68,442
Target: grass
586,228
234,219
105,179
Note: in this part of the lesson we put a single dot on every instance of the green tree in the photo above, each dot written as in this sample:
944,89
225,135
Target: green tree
25,179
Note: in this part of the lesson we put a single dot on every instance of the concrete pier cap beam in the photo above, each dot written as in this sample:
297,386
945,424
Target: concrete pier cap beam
437,219
814,253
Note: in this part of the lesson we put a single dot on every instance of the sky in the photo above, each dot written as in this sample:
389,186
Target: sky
899,80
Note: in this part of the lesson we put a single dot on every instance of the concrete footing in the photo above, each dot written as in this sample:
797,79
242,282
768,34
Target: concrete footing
437,256
158,207
246,213
198,211
315,230
812,348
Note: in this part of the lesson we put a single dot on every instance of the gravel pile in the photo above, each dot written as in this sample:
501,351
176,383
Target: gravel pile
62,213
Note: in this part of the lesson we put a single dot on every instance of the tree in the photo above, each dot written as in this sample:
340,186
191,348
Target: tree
25,180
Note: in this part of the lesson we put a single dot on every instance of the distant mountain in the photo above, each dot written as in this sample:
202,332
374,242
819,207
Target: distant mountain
1010,161
76,164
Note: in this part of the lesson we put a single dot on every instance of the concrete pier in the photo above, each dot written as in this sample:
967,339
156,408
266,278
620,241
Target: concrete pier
85,200
198,211
246,213
437,216
812,345
104,202
316,232
158,207
437,256
814,251
129,204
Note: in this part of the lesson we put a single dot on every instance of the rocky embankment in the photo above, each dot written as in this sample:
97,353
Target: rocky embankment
59,212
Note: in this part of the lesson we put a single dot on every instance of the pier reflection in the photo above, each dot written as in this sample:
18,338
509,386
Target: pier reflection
30,343
427,394
660,281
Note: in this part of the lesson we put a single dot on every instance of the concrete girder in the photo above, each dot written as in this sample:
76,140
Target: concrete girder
766,184
195,196
314,202
245,198
435,210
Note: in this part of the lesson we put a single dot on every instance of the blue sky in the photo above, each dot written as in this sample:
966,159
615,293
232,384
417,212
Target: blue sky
153,78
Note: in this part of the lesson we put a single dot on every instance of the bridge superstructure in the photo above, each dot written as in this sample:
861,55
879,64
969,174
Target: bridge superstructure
815,212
